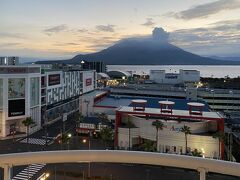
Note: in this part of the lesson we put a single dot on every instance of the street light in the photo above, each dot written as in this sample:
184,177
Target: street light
230,93
212,92
82,63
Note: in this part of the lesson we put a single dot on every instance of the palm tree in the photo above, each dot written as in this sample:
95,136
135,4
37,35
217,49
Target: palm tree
221,137
186,130
159,126
129,125
106,135
27,123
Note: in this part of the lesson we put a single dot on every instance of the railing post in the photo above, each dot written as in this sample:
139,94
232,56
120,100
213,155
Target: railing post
202,173
7,172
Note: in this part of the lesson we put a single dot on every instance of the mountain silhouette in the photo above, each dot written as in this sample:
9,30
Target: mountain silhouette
155,50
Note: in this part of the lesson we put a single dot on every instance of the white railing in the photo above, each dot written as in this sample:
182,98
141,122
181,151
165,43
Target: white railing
7,161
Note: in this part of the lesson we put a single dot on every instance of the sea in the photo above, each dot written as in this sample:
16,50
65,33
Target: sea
205,70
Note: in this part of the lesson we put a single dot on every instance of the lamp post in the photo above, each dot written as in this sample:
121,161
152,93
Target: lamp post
82,63
212,92
230,94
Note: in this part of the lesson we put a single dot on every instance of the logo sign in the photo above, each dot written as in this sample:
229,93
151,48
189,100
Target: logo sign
53,79
16,107
89,82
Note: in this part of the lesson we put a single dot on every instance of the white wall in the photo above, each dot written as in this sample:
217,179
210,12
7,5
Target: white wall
88,76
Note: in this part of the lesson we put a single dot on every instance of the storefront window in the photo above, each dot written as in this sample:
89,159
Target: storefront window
34,91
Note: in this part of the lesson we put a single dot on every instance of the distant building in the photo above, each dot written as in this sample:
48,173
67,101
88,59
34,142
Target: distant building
184,76
99,66
11,60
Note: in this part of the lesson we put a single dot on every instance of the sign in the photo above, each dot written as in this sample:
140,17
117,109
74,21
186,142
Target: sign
53,79
89,82
87,126
16,107
19,70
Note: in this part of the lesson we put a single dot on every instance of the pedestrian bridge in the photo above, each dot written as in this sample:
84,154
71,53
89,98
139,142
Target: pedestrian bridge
202,165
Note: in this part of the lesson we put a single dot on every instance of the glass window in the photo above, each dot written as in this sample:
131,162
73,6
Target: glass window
34,91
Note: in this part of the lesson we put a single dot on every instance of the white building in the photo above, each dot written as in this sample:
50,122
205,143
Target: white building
10,60
19,98
184,76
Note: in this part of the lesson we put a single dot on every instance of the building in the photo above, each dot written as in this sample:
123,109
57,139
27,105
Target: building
60,92
42,94
11,60
183,77
19,98
170,139
99,66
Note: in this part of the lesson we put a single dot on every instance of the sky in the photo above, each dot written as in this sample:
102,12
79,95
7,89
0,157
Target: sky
59,29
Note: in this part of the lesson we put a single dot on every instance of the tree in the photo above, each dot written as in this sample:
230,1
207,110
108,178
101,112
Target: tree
148,145
27,123
221,137
129,125
106,135
196,153
159,126
186,130
103,118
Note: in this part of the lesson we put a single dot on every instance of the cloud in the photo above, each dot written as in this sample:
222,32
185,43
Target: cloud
3,45
66,44
55,29
220,38
12,35
106,28
205,10
82,30
160,34
149,22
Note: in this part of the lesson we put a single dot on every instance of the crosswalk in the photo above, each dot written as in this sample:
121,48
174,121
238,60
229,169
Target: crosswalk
36,141
29,172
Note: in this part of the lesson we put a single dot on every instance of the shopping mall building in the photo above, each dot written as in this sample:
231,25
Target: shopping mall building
30,91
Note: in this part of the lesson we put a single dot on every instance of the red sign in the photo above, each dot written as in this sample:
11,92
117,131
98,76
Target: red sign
89,82
53,79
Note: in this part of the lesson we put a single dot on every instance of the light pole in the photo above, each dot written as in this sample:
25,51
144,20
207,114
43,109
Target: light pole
230,94
212,92
82,63
69,137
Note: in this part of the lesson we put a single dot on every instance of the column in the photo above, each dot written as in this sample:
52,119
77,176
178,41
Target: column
7,172
202,173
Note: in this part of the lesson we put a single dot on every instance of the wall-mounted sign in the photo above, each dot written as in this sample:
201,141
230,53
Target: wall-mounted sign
16,107
54,79
89,82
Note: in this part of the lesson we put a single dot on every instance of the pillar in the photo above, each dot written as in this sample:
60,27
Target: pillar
117,123
202,173
7,172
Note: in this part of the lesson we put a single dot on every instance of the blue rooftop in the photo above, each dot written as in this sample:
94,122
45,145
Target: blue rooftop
116,101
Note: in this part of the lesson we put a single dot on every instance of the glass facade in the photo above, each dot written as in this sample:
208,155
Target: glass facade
34,91
1,93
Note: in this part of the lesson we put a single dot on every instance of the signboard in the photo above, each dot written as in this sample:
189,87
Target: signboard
54,79
89,82
19,70
16,107
87,126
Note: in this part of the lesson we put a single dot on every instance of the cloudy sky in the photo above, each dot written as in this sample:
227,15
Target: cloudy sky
64,28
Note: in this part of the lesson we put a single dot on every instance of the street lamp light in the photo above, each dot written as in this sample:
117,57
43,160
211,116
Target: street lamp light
82,62
89,147
212,92
230,94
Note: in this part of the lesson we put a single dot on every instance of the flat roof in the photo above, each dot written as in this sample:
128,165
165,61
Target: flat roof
117,101
175,113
